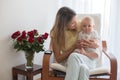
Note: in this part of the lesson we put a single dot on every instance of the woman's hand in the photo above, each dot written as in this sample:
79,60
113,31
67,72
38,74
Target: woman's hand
78,45
89,43
81,44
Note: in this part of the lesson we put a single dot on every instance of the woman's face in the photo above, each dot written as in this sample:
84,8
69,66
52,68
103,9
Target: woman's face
73,23
87,26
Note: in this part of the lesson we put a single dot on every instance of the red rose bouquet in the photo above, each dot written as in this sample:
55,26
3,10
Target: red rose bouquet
29,41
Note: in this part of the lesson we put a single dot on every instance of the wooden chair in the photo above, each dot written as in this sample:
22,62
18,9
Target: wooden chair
57,71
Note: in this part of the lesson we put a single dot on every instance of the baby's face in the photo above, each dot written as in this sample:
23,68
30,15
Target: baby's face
87,26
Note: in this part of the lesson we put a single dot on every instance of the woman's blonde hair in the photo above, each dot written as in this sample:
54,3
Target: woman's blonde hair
63,17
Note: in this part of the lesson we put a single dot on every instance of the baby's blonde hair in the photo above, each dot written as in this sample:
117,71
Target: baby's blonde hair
88,18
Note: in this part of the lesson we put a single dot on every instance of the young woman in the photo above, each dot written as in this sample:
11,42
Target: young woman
63,43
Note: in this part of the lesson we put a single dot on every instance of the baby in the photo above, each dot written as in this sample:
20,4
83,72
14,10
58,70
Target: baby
87,34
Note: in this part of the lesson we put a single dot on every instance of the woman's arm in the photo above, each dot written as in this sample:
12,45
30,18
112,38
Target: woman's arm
95,43
50,46
90,44
61,57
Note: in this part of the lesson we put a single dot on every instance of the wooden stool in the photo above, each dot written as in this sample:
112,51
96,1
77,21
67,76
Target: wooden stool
29,73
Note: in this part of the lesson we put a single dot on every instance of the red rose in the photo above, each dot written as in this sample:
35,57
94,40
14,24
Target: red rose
31,34
23,36
39,39
35,32
15,34
45,36
19,39
31,40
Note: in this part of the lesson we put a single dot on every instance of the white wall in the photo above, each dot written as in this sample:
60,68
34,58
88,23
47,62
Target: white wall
117,34
22,15
114,40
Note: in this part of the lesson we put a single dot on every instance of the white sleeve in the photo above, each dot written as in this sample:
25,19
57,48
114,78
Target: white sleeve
95,35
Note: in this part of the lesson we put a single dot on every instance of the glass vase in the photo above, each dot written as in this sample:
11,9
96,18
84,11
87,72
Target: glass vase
29,59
